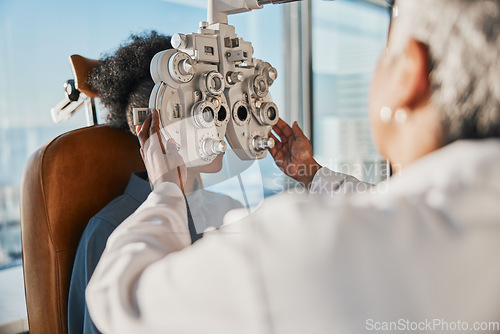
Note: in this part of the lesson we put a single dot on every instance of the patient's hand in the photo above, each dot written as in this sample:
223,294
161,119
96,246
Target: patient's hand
293,153
164,164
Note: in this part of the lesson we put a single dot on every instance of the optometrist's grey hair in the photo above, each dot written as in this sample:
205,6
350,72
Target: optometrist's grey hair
463,39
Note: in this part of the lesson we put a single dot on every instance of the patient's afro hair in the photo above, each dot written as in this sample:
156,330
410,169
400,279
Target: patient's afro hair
123,80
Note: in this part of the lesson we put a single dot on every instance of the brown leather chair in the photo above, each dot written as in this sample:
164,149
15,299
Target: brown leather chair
65,183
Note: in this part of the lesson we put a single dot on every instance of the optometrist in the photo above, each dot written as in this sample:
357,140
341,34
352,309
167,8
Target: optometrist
424,251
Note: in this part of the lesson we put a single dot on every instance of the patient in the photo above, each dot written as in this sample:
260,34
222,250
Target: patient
123,82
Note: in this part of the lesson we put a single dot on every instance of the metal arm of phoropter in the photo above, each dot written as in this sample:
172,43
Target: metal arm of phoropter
218,10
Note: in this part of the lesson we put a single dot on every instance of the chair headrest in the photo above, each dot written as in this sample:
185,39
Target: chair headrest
82,67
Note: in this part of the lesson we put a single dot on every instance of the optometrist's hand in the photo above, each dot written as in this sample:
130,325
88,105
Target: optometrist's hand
293,153
163,163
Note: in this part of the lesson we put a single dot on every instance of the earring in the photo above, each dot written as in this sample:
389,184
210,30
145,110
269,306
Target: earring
400,116
386,114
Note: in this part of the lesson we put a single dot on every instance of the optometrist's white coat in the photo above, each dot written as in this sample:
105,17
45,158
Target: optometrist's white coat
425,246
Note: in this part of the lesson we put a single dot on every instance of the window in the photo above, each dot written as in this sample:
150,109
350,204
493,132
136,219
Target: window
348,38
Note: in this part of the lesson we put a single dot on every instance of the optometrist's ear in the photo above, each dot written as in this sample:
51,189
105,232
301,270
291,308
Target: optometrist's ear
413,78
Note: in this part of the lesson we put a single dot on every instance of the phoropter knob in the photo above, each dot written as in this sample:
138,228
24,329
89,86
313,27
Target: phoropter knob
214,147
260,143
268,72
234,77
186,67
179,41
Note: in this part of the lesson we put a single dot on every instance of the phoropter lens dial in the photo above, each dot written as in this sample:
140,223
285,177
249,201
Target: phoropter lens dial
241,113
204,114
181,67
214,83
259,86
268,113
